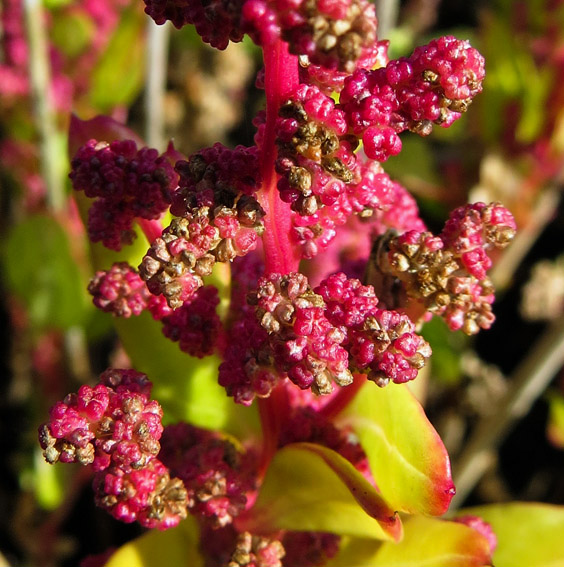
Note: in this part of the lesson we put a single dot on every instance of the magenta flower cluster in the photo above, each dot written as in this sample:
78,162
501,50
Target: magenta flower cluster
116,427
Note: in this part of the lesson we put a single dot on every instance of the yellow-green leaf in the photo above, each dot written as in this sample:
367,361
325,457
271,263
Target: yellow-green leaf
308,487
528,534
175,547
427,542
407,457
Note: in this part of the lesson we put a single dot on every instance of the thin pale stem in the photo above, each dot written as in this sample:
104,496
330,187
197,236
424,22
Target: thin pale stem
528,382
156,66
44,111
387,11
281,78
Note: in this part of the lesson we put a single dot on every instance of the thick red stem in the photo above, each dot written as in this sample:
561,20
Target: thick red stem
272,410
152,229
281,78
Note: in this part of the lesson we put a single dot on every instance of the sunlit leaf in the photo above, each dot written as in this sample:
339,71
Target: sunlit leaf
175,547
42,273
407,457
427,542
528,534
311,488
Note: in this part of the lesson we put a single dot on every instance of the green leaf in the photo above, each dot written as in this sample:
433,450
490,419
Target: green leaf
528,534
185,386
308,487
118,76
175,547
406,455
42,273
427,542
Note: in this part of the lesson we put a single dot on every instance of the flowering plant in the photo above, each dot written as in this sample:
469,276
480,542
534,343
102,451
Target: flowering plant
295,276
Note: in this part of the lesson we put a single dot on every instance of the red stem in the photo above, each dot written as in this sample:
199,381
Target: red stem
343,397
152,229
281,78
272,410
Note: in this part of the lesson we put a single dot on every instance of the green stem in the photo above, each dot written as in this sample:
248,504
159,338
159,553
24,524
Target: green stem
281,78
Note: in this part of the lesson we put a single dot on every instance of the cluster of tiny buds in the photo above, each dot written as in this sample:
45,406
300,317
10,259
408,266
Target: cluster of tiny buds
127,183
256,551
218,219
447,273
116,427
217,477
303,342
317,337
195,325
432,86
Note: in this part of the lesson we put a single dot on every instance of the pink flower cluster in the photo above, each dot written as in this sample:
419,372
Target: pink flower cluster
218,219
432,86
317,337
127,183
116,427
217,477
446,274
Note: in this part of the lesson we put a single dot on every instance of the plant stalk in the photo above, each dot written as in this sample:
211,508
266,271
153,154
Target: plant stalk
43,104
281,78
155,87
528,382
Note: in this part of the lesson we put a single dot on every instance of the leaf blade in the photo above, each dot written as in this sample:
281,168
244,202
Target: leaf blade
322,492
406,455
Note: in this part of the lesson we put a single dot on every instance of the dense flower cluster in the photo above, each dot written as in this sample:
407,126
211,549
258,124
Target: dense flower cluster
127,183
434,85
116,427
447,273
218,219
212,470
380,342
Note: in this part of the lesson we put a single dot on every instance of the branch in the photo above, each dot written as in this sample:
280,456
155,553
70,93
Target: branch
387,11
528,382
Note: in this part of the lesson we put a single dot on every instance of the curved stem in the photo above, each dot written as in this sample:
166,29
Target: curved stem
281,78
